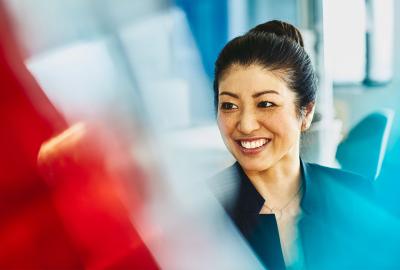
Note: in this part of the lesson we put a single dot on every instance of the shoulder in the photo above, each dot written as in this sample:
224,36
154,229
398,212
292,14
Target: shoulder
333,172
225,185
339,178
225,178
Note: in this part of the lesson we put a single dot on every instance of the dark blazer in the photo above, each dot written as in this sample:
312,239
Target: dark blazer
330,232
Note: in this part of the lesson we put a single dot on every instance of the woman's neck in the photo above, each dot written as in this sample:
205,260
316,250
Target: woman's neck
280,182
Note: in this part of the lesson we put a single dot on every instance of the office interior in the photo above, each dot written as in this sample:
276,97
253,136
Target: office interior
140,73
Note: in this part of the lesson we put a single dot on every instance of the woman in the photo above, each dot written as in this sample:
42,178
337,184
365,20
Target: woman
293,214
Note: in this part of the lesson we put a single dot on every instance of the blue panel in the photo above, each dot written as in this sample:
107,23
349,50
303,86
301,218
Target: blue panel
209,24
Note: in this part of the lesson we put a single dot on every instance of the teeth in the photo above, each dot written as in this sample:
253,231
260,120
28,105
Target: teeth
253,144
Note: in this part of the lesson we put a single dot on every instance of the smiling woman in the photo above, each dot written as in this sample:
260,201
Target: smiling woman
252,118
265,89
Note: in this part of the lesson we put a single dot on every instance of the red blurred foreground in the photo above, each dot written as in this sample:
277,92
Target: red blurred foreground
60,204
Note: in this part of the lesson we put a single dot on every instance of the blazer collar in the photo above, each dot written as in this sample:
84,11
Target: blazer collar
250,201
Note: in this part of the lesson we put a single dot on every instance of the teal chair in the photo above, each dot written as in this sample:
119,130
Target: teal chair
363,150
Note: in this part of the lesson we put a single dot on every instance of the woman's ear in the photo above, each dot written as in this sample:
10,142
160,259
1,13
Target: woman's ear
308,114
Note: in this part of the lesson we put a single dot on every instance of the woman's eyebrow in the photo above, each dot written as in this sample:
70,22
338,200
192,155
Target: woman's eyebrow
265,92
254,95
229,94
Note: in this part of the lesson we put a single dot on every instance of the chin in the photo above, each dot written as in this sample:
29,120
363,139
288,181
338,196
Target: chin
254,165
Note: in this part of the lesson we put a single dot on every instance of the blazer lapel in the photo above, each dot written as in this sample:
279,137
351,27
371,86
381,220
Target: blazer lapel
261,231
312,226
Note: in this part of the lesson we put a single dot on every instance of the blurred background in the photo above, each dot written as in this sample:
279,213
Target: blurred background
132,83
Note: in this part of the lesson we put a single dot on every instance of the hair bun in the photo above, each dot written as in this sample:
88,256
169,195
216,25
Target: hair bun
280,28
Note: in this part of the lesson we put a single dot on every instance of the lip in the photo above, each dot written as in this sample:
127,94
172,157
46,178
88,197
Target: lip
252,151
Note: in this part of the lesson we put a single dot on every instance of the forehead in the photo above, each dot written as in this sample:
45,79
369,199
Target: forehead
247,80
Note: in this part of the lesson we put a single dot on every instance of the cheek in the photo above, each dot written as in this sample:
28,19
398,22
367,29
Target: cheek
225,124
285,126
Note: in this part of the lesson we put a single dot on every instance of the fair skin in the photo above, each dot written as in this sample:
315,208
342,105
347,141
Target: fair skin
260,125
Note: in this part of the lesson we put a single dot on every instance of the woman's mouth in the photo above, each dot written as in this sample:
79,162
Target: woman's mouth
252,146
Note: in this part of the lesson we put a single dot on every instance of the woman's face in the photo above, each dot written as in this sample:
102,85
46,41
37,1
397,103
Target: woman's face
257,117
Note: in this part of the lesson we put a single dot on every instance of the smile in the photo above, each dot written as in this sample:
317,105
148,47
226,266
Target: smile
252,145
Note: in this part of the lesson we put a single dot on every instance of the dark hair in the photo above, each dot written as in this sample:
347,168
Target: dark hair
276,46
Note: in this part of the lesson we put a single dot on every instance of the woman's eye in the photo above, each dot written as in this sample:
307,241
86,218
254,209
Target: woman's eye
228,106
265,104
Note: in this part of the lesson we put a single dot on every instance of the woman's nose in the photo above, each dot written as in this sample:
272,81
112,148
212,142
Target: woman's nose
248,123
